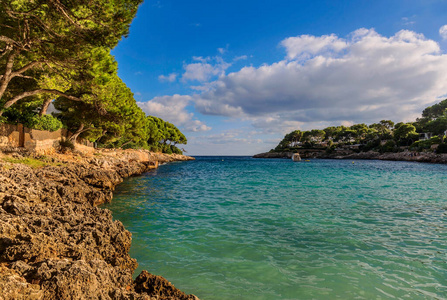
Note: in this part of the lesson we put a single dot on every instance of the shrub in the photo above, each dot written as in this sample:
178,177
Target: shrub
46,122
371,145
389,146
176,150
442,148
66,144
330,149
421,145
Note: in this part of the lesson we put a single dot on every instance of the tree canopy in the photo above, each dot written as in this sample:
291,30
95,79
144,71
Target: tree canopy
43,44
60,50
374,136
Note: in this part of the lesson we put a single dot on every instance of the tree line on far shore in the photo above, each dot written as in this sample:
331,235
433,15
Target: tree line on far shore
59,52
384,136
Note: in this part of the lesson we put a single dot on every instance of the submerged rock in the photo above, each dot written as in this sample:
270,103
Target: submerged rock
159,287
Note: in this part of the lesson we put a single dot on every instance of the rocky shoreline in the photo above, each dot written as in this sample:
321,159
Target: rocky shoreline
55,243
427,157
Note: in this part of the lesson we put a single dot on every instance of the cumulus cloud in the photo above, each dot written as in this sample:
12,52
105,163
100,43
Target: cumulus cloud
173,109
204,69
170,78
443,32
364,77
306,46
199,71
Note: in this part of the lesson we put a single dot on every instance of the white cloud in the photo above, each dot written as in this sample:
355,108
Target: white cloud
408,21
201,58
365,77
443,32
242,57
205,69
170,78
199,71
306,46
173,109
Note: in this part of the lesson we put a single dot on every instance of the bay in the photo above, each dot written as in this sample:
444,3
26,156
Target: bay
244,228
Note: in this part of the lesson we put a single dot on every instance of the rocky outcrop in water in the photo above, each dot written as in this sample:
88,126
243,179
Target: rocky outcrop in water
55,243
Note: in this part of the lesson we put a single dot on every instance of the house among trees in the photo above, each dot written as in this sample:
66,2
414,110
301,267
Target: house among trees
425,136
384,136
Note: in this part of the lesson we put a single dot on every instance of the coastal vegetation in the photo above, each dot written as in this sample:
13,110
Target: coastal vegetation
427,133
59,52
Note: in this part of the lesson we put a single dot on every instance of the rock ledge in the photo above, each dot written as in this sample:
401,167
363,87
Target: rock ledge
55,243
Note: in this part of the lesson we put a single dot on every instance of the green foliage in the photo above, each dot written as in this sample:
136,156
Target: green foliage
167,150
371,145
389,146
370,137
405,134
435,111
66,144
423,145
330,148
176,150
49,42
19,115
64,52
442,148
31,162
437,126
162,135
46,122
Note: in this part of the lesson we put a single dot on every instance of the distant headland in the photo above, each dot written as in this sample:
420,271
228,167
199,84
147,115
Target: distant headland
423,140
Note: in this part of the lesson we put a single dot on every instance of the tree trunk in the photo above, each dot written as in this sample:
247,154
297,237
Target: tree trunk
6,78
77,133
45,105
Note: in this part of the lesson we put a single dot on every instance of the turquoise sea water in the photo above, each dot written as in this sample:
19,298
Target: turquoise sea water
243,228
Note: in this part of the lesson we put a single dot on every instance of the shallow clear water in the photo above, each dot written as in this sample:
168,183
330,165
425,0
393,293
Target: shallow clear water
243,228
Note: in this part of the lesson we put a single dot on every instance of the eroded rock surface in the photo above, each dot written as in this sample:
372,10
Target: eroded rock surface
55,243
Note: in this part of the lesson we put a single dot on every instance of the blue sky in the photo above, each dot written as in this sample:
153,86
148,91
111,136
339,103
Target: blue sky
235,76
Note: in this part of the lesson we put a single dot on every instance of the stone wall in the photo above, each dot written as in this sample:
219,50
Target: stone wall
9,135
35,140
43,141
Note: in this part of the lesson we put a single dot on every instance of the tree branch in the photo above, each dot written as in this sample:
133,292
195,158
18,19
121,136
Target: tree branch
22,76
36,92
26,68
7,40
59,6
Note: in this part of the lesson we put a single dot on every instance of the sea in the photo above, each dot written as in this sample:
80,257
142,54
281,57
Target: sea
245,228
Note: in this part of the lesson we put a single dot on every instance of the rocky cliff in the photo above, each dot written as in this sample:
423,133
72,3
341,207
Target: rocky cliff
55,243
